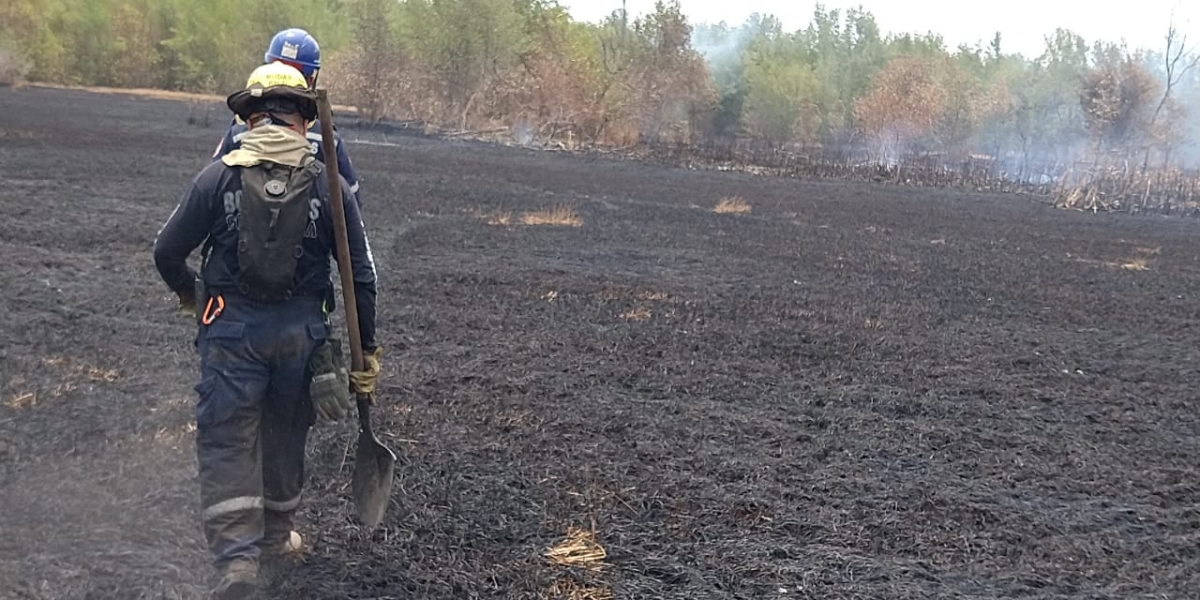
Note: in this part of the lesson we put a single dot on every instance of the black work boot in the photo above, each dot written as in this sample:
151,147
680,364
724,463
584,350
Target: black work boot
280,537
279,548
238,582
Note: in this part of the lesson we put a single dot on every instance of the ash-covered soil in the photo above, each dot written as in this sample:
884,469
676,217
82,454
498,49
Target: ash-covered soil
851,391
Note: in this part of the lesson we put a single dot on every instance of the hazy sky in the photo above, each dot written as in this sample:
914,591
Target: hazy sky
1023,24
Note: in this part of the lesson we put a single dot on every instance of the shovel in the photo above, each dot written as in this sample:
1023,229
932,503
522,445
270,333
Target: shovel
374,463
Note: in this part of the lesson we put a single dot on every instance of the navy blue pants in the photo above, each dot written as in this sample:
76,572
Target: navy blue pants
252,421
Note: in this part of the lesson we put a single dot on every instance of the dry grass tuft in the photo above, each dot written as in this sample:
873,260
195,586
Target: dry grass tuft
1140,261
637,313
652,296
73,374
502,218
20,401
613,293
579,549
735,205
82,369
31,399
609,294
563,216
566,589
105,375
174,435
1133,264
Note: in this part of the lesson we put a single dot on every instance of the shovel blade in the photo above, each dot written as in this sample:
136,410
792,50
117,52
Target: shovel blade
374,467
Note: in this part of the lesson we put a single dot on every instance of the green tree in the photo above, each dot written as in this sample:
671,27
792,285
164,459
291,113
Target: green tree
845,54
468,45
781,90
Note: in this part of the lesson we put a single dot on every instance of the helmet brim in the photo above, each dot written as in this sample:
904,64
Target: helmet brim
278,98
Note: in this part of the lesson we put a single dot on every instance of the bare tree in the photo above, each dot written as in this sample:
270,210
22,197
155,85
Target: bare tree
1177,61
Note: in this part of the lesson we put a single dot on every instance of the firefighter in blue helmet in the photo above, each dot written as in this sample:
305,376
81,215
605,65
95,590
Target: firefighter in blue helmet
298,49
269,365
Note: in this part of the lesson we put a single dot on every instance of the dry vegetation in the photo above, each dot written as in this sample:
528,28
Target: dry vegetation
652,296
1139,258
916,111
578,549
562,216
637,313
70,375
568,589
500,218
13,68
1140,261
156,94
734,205
22,400
1170,191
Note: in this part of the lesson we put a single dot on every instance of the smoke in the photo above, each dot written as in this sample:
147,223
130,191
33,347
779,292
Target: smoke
523,132
722,47
1032,126
1189,97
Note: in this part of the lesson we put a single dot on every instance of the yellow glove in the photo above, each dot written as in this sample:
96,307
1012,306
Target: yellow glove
363,382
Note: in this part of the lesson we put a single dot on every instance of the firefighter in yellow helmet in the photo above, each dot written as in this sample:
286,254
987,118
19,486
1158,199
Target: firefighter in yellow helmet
237,131
269,365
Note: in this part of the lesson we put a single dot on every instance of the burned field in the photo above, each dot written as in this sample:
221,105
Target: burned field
822,391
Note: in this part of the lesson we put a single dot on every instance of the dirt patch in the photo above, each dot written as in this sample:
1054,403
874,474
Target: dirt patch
852,391
144,93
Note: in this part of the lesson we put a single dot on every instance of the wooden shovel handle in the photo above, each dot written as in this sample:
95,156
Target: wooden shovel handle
325,113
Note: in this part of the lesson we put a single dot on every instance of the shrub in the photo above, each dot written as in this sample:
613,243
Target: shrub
13,68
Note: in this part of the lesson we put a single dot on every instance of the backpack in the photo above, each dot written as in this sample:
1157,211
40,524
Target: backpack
271,226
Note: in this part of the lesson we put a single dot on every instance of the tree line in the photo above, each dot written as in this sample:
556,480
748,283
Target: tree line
837,85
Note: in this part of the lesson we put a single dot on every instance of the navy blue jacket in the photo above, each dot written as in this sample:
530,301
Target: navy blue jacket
208,213
233,140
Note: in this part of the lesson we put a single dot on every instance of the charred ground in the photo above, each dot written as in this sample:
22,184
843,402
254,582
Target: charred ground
851,391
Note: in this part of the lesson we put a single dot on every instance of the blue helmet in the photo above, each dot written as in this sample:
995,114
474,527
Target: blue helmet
297,48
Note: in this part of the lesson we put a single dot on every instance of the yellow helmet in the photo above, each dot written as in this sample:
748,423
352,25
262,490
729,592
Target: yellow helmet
274,87
276,73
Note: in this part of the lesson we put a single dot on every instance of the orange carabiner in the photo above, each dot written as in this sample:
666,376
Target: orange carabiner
211,315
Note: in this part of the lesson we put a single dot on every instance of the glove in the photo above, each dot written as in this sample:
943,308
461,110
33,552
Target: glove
330,385
363,382
330,405
187,303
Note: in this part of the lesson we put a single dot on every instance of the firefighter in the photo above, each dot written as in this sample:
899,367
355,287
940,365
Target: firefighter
268,362
298,49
